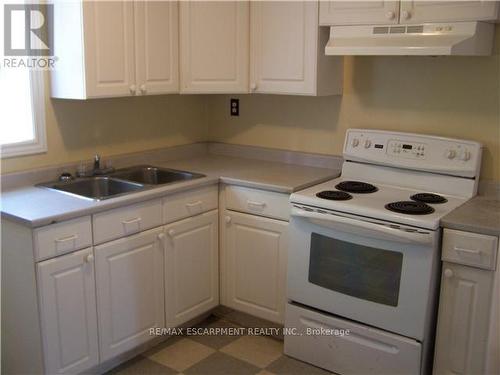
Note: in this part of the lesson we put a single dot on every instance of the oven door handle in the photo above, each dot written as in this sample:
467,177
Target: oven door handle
364,228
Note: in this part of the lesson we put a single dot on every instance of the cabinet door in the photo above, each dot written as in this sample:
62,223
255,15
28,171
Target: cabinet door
109,48
66,291
214,43
284,47
191,264
256,251
447,11
463,322
157,46
129,279
358,12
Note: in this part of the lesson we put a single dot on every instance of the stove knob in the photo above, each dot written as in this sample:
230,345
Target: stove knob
355,142
450,154
465,155
368,143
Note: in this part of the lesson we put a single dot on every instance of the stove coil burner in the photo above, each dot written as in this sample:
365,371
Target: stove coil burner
410,207
334,195
356,187
429,198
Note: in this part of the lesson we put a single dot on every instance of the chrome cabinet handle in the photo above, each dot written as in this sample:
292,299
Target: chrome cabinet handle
227,219
171,232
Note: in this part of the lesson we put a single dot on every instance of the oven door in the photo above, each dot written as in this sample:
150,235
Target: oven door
366,270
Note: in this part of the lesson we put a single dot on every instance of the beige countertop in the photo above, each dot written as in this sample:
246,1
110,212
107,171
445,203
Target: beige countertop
481,214
35,206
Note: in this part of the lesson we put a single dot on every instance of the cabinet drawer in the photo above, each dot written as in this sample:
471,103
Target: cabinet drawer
337,345
127,220
57,239
470,249
189,203
258,202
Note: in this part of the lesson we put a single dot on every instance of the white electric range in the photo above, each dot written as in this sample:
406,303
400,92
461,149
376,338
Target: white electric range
365,252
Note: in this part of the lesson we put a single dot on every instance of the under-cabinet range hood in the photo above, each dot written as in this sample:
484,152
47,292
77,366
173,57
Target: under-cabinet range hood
431,39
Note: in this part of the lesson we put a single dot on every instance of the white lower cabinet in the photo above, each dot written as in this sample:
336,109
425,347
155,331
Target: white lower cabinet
463,323
66,292
466,303
130,291
192,268
256,250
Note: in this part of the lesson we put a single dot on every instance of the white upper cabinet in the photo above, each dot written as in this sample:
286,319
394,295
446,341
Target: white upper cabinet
130,292
214,39
114,48
191,268
108,32
358,12
448,11
405,12
66,290
128,48
287,50
157,46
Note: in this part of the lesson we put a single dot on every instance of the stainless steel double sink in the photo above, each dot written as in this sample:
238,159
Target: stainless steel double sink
121,182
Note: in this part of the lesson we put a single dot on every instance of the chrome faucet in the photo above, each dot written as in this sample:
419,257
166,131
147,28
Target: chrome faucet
97,170
97,163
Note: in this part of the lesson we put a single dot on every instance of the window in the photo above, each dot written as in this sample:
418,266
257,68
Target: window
359,271
22,112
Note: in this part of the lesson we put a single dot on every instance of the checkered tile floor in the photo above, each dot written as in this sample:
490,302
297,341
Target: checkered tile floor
217,355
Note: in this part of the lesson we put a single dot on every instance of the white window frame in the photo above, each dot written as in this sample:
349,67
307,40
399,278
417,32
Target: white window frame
39,143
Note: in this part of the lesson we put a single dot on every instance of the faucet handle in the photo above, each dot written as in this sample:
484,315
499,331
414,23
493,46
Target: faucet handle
97,157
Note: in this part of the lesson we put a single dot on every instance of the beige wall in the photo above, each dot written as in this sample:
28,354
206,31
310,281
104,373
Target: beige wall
76,130
447,96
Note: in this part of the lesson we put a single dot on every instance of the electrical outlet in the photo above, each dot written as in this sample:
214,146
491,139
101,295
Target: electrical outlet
235,107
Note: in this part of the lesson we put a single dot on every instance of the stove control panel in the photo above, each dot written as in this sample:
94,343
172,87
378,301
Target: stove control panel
414,151
410,150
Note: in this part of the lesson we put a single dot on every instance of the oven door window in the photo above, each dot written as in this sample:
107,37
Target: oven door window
359,271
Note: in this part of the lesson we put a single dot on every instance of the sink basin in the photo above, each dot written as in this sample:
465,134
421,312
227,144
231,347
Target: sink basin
96,188
149,175
120,182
